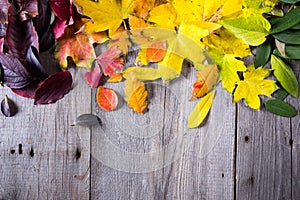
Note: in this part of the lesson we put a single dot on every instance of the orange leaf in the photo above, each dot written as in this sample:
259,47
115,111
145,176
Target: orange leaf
115,78
79,47
137,100
107,99
208,78
156,52
142,7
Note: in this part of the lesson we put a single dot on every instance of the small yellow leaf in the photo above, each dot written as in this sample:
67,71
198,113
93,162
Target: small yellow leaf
253,85
201,110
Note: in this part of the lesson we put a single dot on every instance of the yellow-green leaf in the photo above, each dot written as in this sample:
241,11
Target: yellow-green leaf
142,73
252,29
285,76
201,110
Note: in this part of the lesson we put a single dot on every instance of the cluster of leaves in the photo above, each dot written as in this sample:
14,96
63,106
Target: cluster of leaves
27,28
146,40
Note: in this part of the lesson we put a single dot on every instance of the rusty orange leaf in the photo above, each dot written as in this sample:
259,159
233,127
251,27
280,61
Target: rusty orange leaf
107,99
115,78
156,52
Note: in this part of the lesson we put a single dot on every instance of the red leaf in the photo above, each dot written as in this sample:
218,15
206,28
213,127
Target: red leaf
15,74
53,88
20,35
62,9
28,91
107,99
3,16
156,52
110,60
94,76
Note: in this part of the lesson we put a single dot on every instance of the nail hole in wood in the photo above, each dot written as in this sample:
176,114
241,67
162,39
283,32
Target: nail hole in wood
12,151
77,154
20,149
291,143
222,175
247,138
252,180
31,153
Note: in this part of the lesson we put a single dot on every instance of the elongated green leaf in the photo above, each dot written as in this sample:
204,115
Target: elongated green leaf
289,1
201,110
262,54
252,30
296,27
289,20
288,37
285,75
280,108
291,52
281,94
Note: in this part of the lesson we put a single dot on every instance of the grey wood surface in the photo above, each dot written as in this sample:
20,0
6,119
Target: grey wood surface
237,154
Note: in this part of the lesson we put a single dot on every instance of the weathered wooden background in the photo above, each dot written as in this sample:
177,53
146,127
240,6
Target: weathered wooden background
238,154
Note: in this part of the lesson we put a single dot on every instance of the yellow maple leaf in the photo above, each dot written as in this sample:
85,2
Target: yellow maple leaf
253,85
105,14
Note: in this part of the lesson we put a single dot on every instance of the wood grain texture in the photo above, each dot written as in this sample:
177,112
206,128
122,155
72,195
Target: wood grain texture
199,166
263,166
295,140
41,156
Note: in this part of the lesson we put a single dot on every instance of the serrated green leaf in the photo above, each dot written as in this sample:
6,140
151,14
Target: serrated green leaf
285,75
280,108
262,54
289,36
201,110
281,94
291,52
252,30
289,20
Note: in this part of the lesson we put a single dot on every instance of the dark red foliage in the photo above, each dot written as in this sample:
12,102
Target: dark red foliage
15,75
53,88
20,35
62,9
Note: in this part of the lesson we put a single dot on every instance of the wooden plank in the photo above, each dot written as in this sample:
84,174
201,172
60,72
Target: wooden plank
263,166
295,140
41,156
199,166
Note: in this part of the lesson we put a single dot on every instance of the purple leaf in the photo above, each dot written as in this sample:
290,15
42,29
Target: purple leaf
15,74
20,35
34,66
29,9
53,88
28,91
42,24
59,28
8,107
94,77
3,16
